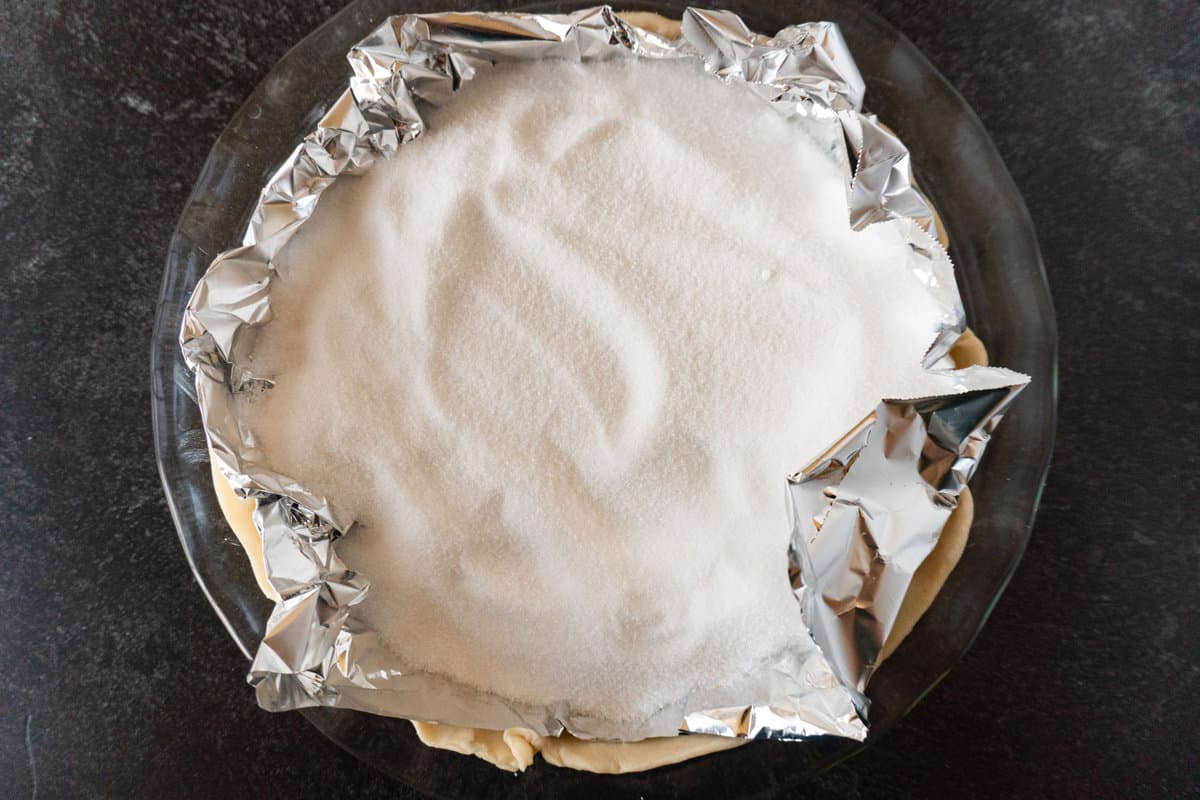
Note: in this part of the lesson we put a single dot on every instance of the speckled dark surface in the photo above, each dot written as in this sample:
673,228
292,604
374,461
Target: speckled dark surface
117,684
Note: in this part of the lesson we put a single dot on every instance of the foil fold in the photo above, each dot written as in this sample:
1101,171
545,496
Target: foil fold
864,514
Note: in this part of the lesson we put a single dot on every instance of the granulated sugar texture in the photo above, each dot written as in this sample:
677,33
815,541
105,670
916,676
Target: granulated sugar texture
557,358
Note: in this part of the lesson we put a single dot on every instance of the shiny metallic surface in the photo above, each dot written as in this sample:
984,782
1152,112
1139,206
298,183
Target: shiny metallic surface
864,514
867,513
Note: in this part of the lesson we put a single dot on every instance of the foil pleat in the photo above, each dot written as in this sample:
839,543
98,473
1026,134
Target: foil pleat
865,514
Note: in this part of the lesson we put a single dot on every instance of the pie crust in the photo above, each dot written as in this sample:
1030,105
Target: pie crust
514,749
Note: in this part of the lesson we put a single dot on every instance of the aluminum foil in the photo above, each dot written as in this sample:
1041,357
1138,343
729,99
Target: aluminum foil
864,515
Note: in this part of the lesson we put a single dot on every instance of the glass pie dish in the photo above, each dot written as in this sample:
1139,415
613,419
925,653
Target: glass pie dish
1003,289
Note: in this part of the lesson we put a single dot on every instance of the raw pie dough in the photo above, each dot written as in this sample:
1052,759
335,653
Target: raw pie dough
514,749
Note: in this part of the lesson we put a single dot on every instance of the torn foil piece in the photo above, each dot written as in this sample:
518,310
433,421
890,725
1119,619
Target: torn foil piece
865,514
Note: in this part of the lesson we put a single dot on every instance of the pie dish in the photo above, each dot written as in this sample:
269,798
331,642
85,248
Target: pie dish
1023,365
619,410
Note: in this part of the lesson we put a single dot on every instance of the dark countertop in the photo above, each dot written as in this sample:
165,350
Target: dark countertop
118,684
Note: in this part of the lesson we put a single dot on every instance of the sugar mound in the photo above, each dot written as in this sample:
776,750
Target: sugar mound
557,358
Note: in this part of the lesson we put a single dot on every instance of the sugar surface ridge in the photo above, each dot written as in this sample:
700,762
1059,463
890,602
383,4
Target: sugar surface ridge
557,358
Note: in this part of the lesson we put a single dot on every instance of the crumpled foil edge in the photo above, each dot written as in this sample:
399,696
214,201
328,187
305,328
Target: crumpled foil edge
849,564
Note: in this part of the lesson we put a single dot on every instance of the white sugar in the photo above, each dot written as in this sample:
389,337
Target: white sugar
557,358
